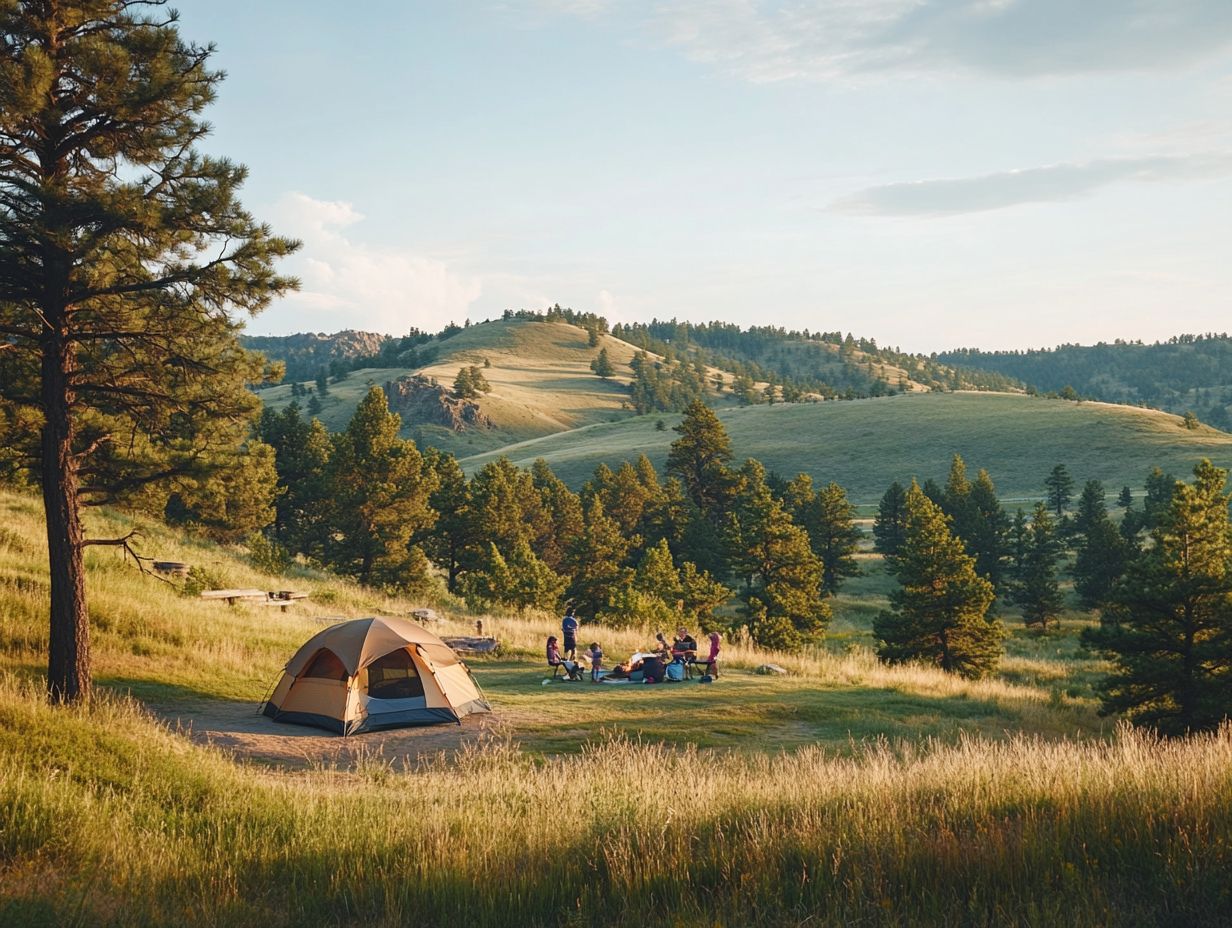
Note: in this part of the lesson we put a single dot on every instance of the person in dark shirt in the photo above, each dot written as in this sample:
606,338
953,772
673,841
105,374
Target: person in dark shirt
684,646
568,628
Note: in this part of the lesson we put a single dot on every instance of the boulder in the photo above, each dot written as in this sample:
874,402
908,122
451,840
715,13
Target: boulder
771,669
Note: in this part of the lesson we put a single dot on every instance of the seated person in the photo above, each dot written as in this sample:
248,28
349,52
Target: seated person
653,670
711,660
684,647
555,660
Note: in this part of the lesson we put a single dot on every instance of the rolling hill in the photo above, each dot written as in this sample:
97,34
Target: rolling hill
1186,372
541,385
865,445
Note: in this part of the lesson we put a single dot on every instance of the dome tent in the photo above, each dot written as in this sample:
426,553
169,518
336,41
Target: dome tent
372,674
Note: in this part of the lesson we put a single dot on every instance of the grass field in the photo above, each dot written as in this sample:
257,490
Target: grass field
846,792
865,445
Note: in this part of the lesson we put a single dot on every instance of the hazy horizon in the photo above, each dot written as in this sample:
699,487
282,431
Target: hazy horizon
997,174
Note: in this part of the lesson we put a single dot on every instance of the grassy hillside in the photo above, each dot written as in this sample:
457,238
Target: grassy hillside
541,383
540,376
865,445
905,797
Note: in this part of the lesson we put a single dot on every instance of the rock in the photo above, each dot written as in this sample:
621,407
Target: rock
768,669
465,645
421,400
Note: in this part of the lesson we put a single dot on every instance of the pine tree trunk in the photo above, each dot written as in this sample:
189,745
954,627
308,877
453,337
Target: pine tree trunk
68,665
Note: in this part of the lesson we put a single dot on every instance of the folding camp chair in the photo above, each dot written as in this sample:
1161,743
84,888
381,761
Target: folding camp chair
571,676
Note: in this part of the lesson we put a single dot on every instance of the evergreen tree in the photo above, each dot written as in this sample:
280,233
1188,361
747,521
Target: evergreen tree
521,581
699,458
322,383
380,492
596,562
988,531
700,595
829,519
1060,486
940,609
562,512
783,575
1092,507
302,449
657,575
891,522
464,386
934,492
453,532
1019,540
1099,563
956,500
1037,590
505,508
1168,627
602,365
1126,499
125,263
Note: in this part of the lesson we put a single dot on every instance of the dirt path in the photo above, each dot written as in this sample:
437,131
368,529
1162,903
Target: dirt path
237,729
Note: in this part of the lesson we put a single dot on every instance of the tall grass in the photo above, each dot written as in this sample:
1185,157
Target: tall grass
107,818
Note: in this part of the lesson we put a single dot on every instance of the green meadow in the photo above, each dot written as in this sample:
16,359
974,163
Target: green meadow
844,792
865,445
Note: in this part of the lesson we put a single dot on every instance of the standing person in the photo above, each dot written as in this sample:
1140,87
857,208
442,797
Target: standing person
595,655
569,627
712,659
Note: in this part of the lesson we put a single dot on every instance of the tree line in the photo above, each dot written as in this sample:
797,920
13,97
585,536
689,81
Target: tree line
632,546
1161,581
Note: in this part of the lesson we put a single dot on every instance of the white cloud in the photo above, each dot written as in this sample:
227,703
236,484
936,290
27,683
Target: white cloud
348,284
1050,183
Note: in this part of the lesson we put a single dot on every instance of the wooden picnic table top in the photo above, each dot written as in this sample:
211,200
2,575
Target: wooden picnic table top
234,594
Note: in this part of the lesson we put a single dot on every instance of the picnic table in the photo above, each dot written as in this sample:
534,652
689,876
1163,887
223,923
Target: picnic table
279,598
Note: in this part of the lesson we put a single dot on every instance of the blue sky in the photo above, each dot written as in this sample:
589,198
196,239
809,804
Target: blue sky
929,173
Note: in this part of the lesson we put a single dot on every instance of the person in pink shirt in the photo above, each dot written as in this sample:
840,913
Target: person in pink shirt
711,660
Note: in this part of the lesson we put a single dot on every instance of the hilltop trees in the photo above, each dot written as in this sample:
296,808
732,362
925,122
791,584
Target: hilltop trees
940,609
123,255
1168,625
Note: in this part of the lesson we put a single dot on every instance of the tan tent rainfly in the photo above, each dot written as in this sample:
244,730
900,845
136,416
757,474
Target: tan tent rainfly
370,674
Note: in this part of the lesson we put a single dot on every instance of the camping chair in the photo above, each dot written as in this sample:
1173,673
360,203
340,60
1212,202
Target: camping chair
573,676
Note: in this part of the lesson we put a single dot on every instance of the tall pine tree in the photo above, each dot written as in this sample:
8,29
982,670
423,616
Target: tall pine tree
1168,626
940,610
126,261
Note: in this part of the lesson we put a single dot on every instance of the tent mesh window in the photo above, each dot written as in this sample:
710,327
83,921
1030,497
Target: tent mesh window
325,665
394,677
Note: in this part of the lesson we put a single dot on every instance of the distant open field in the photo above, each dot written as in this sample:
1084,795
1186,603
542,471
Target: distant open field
865,445
844,793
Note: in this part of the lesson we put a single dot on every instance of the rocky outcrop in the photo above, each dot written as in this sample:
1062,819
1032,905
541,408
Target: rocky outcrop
421,400
306,353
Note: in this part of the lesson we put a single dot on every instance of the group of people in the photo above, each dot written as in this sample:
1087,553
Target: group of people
661,662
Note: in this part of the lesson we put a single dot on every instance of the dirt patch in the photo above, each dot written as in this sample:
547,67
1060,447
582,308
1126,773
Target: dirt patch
236,728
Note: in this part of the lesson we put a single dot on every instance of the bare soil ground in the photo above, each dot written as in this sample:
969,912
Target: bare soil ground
237,729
